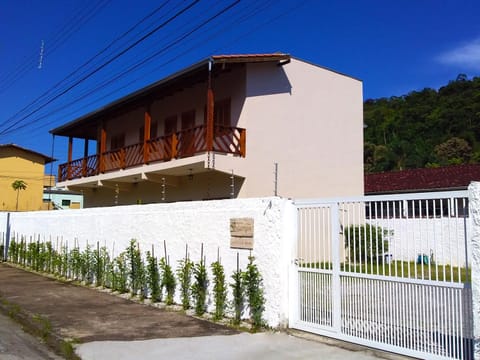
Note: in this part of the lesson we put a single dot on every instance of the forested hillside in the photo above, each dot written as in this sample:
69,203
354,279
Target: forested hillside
425,128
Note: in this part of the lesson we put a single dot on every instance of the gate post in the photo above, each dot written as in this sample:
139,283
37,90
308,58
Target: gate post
7,239
294,303
474,210
336,292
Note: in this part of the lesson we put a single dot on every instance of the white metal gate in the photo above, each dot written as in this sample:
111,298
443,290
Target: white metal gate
390,272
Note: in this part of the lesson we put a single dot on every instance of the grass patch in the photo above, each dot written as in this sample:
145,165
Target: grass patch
403,269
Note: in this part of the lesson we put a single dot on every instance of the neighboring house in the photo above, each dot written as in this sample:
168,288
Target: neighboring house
216,130
447,178
17,163
444,180
62,199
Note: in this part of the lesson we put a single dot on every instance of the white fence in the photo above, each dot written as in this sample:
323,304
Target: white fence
388,272
191,223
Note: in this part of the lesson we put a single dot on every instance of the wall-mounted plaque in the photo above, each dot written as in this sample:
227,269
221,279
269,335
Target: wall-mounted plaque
241,233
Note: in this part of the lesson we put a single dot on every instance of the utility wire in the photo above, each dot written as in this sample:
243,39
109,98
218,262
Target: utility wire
149,58
242,18
163,24
92,58
52,44
246,16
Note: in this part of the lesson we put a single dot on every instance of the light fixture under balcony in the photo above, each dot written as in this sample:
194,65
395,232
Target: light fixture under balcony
190,174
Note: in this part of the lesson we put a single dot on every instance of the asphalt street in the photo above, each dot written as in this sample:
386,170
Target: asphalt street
15,344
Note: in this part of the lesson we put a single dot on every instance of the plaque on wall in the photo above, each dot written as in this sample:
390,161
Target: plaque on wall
241,233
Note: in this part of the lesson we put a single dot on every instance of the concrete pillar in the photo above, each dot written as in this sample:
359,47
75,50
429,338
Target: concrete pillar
474,208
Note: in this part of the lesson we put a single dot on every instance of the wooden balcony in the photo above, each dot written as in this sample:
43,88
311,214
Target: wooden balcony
185,143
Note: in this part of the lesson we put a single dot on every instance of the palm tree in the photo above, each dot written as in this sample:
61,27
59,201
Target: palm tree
18,185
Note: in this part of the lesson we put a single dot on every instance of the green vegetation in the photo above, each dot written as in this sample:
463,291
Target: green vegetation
426,128
200,286
238,293
168,281
403,269
184,274
128,272
136,271
153,277
254,291
18,185
365,242
219,289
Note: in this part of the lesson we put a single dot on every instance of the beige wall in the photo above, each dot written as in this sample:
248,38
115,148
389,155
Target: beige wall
19,165
310,121
304,117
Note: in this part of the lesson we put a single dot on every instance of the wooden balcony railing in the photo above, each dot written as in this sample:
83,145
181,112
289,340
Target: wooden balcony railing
185,143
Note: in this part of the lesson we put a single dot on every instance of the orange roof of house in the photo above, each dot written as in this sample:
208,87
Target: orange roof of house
428,179
47,159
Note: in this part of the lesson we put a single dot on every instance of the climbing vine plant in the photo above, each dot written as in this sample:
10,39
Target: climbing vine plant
130,272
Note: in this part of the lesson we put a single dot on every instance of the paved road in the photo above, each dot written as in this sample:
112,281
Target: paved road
15,344
110,327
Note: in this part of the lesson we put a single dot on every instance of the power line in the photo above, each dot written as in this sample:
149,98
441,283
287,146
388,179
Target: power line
83,65
246,15
243,17
53,43
103,65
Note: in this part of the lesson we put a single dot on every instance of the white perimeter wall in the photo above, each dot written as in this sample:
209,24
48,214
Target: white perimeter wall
191,223
444,237
474,203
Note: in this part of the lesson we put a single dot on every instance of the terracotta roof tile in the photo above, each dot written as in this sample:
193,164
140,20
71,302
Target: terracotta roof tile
250,57
448,177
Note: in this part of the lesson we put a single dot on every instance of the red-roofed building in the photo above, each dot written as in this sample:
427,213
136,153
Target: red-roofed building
455,177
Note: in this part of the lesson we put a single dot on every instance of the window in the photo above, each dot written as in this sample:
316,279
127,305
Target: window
65,202
221,113
417,208
117,142
170,125
153,132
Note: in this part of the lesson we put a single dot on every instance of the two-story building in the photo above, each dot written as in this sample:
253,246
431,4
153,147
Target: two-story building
229,126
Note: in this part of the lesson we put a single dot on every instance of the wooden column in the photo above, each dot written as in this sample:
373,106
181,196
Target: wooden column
103,148
85,156
243,142
146,134
70,150
210,109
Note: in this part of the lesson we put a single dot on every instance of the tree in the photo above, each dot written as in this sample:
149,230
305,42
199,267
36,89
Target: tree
453,151
18,185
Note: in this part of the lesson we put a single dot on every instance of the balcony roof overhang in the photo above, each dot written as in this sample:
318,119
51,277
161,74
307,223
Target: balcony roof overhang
85,127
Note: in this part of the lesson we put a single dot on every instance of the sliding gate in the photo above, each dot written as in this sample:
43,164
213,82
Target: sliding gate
389,272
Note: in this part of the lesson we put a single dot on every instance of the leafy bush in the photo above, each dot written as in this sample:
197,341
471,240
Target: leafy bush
153,278
238,296
168,281
219,290
184,274
136,269
366,243
199,287
254,291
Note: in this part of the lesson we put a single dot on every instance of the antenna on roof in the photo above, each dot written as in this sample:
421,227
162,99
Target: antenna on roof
42,48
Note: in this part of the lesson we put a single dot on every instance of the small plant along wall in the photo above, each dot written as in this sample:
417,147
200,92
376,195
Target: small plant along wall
145,276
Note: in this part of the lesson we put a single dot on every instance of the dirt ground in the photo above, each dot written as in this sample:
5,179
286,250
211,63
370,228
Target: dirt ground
85,315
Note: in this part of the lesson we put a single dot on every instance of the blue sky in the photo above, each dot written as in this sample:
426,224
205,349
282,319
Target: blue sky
394,47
